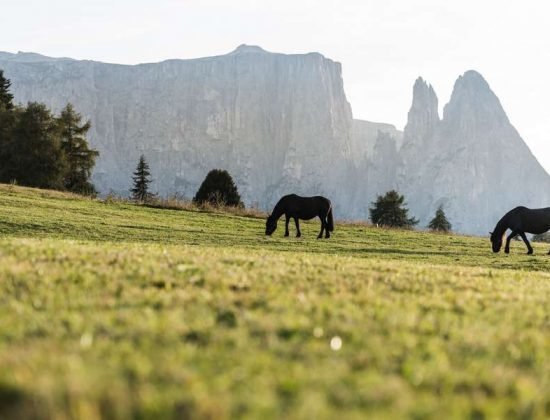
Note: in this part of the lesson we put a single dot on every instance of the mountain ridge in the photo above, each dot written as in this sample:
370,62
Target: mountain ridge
281,123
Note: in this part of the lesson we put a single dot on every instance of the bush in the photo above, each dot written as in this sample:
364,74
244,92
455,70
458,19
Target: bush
218,189
389,210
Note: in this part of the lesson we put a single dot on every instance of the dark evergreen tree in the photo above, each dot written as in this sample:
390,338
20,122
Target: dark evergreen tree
218,188
389,210
80,158
7,120
142,179
440,222
33,155
6,98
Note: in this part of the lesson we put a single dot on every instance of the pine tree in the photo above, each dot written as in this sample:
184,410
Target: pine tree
80,158
33,155
440,222
142,179
8,116
389,210
6,98
218,188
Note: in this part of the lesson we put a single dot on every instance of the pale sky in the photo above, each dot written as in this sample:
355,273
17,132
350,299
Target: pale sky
383,45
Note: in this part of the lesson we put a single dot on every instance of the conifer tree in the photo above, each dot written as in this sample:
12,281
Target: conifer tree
80,158
33,155
142,179
440,222
6,98
7,120
389,210
218,188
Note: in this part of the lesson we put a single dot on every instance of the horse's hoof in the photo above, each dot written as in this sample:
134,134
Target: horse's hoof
506,251
286,235
530,252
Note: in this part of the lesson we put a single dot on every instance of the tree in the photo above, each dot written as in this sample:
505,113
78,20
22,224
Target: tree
33,155
6,98
389,210
218,188
80,158
440,222
7,121
142,179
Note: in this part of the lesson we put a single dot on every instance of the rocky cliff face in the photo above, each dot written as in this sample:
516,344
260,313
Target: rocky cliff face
473,161
278,123
281,123
365,135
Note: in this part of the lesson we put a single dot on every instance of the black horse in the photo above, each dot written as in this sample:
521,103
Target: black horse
520,221
305,208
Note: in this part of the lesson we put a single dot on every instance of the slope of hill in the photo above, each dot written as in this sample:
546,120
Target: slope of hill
116,310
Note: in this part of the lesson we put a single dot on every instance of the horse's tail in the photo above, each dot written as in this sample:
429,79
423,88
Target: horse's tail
330,219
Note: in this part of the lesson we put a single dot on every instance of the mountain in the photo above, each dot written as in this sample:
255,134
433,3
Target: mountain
472,161
278,123
281,123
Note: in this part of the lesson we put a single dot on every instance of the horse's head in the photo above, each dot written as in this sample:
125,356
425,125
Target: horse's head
496,241
270,225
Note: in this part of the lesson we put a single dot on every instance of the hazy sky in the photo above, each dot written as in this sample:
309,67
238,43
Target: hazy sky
383,45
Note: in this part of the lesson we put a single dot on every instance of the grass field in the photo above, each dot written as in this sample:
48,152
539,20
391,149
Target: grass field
122,311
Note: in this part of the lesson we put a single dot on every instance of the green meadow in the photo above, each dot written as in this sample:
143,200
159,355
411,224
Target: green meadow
114,310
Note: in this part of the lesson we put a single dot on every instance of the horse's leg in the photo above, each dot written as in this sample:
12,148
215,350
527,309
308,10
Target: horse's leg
529,248
298,233
327,232
322,228
510,237
287,219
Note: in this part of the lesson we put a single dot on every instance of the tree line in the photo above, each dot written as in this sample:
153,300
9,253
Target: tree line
40,149
218,188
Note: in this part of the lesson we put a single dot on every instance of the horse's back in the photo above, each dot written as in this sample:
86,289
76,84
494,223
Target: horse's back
527,210
299,198
304,207
528,220
320,197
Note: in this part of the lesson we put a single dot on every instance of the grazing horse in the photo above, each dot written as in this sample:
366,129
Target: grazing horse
520,221
305,208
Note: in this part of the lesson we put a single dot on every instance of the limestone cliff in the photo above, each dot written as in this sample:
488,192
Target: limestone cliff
473,161
278,123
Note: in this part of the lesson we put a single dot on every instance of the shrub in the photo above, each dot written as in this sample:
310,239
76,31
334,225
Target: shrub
389,210
218,189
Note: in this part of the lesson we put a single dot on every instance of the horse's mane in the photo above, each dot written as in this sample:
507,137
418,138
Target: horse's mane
277,211
500,228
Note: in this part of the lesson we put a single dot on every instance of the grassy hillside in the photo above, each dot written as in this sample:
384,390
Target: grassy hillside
117,311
